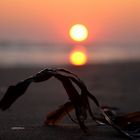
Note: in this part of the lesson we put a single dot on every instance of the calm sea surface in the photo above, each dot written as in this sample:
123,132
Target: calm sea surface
29,55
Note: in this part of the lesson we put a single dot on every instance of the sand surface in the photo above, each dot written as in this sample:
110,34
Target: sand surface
116,85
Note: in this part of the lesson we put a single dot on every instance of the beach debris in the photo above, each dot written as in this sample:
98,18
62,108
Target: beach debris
128,125
17,128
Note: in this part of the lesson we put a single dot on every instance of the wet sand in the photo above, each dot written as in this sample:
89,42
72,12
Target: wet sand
116,85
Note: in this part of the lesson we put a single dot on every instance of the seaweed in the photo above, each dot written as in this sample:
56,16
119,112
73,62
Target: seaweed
128,125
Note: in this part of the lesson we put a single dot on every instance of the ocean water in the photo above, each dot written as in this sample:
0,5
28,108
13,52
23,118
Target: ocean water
35,55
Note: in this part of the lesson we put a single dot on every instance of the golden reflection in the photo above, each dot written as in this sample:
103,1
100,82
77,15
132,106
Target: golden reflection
78,56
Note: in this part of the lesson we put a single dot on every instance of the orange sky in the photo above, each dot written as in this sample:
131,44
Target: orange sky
50,20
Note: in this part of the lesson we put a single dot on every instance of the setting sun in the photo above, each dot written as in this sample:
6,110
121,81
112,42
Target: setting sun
78,58
78,32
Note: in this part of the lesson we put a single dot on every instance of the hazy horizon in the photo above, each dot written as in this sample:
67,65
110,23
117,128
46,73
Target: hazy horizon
42,55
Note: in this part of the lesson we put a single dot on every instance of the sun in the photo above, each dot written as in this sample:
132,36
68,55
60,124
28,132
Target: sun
78,32
78,58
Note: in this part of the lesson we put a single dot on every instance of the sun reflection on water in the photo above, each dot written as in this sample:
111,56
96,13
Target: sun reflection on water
78,56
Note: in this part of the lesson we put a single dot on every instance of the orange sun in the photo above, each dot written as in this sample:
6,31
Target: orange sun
78,32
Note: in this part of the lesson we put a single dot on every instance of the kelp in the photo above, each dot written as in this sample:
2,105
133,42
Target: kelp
128,125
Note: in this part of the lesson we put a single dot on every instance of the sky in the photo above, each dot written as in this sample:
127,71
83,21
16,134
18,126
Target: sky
116,21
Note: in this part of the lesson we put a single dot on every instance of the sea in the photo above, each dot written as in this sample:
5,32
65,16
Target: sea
37,54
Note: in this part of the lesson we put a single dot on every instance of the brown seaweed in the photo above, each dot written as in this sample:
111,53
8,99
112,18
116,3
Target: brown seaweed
128,125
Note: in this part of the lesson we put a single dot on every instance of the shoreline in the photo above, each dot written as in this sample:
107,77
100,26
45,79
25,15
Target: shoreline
115,85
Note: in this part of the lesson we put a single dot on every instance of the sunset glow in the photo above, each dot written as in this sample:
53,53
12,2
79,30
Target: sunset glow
78,32
50,20
78,58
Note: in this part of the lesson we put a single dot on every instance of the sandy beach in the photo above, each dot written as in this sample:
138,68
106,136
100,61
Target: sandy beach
116,84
